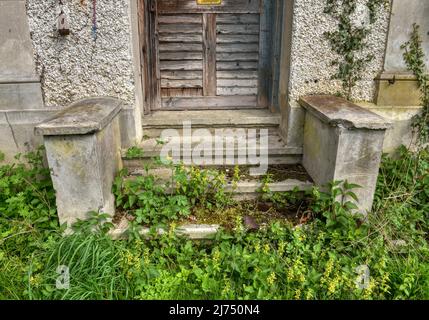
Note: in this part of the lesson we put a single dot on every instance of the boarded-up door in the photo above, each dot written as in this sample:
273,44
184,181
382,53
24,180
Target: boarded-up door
209,56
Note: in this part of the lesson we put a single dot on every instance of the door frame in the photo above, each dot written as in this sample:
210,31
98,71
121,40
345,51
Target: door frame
272,27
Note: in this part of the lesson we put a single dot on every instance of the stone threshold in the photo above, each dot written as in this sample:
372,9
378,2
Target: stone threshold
235,118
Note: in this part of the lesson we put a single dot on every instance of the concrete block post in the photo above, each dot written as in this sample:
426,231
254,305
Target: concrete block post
83,147
343,141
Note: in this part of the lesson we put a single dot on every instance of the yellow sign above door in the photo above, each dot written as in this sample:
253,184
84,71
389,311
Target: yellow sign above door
209,2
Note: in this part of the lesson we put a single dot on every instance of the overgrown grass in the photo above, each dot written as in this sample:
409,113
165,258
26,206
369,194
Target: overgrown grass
280,261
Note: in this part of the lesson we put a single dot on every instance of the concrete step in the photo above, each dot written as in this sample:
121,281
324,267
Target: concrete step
277,152
154,124
288,178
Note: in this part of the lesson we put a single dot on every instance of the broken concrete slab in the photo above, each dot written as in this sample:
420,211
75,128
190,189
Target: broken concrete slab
336,111
190,231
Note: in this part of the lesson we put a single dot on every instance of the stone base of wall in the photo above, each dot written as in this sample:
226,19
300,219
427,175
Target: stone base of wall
396,89
401,118
17,131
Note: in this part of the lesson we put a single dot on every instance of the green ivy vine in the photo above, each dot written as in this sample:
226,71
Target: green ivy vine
414,57
349,40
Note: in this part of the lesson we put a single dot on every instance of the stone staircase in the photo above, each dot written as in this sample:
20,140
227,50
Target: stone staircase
210,121
205,124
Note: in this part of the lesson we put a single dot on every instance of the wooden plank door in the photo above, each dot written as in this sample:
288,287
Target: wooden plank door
210,56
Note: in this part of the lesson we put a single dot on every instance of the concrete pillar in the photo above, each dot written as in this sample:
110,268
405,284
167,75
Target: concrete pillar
21,101
83,147
19,84
343,141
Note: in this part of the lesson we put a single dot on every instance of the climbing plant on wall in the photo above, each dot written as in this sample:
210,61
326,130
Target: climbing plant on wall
349,40
414,57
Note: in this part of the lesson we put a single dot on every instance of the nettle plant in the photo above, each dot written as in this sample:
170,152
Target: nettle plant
349,40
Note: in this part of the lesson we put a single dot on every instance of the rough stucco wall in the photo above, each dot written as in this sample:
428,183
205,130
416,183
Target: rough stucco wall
75,66
311,68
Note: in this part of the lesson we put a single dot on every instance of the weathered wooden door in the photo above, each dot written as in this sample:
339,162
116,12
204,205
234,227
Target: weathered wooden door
208,56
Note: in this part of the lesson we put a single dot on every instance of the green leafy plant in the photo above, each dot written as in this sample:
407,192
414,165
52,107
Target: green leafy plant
26,191
148,200
414,57
134,153
314,260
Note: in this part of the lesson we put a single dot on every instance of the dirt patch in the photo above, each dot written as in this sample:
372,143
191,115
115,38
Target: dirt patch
249,212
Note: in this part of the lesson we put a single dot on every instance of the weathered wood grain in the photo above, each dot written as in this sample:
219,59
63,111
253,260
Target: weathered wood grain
238,74
181,65
238,18
178,75
191,6
232,91
174,47
179,28
232,101
237,83
180,37
265,44
180,55
237,47
182,83
237,56
181,92
238,38
237,65
209,50
238,29
179,19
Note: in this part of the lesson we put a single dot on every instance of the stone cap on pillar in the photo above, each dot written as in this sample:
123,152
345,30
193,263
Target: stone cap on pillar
82,117
336,111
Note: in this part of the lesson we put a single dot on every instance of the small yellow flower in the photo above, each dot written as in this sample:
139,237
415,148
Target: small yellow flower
281,249
298,294
290,274
146,256
333,285
271,278
36,280
227,288
267,248
328,271
257,247
370,289
310,294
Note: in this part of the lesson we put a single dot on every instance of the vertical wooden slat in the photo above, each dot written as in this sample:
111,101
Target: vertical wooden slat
209,54
143,17
265,41
276,51
153,63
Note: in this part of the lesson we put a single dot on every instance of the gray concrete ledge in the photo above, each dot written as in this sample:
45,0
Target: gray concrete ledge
336,111
190,231
82,117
